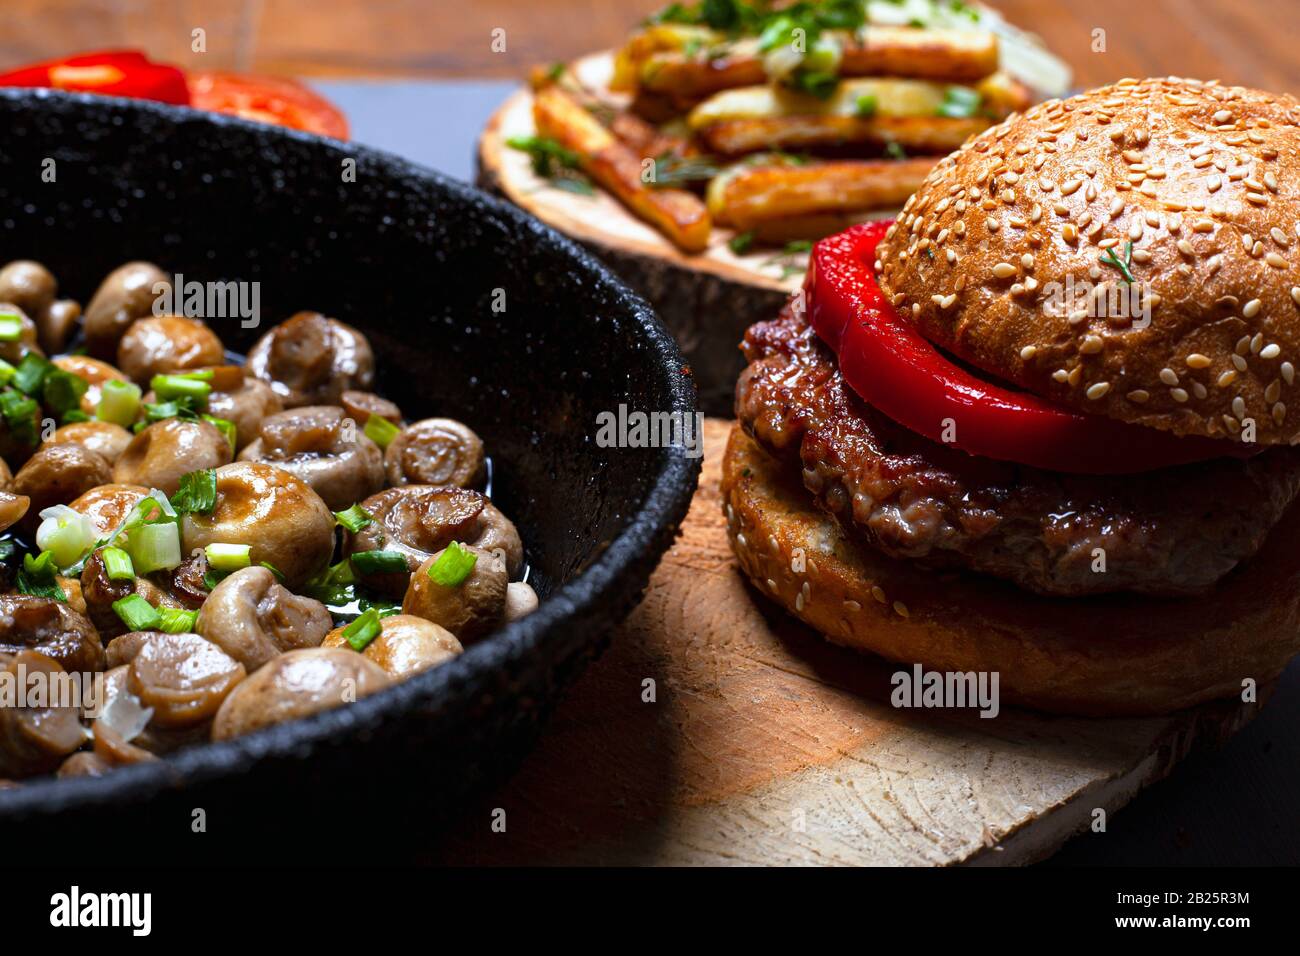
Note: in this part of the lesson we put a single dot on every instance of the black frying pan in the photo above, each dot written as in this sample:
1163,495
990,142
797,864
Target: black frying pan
415,261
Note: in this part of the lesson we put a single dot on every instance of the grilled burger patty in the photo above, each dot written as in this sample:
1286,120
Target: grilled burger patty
1172,531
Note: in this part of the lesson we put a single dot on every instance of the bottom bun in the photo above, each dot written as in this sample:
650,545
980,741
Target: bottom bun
1116,655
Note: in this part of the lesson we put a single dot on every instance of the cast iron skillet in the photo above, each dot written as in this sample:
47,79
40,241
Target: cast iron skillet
416,261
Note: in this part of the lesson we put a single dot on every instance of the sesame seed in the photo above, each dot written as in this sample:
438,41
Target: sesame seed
1270,351
1138,396
1279,236
1097,390
1060,375
1251,308
1004,270
1288,372
1275,260
1239,407
1092,344
1168,376
878,593
1273,392
1197,360
1295,294
1028,352
1221,117
1226,379
1279,413
1239,363
1179,394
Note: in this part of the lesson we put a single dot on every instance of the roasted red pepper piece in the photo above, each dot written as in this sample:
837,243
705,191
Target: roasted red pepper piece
893,368
111,73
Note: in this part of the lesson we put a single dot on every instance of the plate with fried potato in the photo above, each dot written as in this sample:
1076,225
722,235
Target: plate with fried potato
703,158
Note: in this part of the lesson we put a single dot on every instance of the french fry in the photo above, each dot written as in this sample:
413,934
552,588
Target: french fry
921,134
749,196
661,64
678,214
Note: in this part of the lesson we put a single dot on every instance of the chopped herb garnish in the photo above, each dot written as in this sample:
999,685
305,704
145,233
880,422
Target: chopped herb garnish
175,620
741,243
117,564
62,391
279,575
225,426
1108,258
380,430
363,630
31,372
228,557
379,562
354,518
959,102
11,327
119,403
453,566
198,492
173,387
865,106
19,413
137,613
554,162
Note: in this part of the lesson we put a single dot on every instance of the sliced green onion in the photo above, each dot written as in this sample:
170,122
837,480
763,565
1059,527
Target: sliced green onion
180,386
39,587
380,430
73,416
363,630
379,562
180,408
117,563
212,578
223,425
65,535
7,372
11,327
62,391
137,613
279,575
959,102
155,547
175,620
19,413
31,373
453,566
228,557
198,492
119,403
7,548
354,519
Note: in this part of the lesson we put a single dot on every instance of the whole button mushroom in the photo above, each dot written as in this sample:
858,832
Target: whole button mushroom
182,678
94,372
419,520
103,438
521,600
31,623
159,455
406,645
124,728
286,523
436,451
470,607
312,360
56,475
243,400
108,505
36,739
297,684
168,343
32,288
254,619
324,448
126,294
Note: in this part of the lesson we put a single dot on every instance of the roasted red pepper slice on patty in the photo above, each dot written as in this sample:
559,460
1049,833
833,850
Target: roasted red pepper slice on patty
893,368
111,73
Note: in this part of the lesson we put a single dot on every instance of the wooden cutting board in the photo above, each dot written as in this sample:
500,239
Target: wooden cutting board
764,744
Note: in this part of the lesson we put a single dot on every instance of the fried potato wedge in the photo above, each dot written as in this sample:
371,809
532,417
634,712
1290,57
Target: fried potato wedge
746,197
678,214
662,61
916,134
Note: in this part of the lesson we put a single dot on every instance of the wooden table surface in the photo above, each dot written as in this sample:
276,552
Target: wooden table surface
1248,42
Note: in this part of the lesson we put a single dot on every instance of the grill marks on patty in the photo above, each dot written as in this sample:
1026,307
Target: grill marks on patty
1172,531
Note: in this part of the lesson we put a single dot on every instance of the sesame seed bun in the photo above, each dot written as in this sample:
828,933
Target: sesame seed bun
1108,656
1202,179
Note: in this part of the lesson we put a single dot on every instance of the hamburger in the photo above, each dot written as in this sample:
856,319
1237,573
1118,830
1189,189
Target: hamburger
1041,424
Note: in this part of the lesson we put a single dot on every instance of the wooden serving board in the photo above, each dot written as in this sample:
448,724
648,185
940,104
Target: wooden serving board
765,744
706,300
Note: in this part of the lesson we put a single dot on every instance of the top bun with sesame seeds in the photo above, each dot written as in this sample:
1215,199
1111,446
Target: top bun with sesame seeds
1133,252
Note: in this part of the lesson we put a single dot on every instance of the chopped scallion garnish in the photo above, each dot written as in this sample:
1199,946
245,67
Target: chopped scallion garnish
228,557
117,564
175,620
380,430
363,630
354,519
379,562
169,387
11,327
453,566
137,613
119,403
198,492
